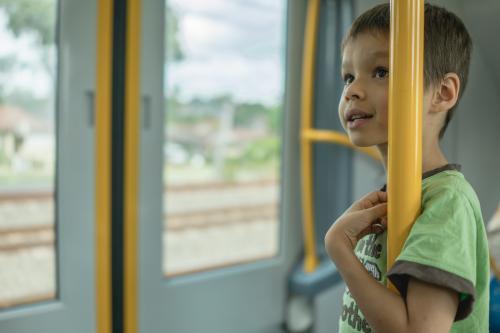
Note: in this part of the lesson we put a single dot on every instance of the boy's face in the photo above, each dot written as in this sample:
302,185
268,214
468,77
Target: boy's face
363,105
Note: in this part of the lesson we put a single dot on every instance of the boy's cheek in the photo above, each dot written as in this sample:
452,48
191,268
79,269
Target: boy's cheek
385,106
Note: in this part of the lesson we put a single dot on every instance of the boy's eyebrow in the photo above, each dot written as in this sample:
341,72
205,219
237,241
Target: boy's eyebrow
379,54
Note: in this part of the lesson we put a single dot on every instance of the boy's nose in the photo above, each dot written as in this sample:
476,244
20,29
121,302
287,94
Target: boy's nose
354,91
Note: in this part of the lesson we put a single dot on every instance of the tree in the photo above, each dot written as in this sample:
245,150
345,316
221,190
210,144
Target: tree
37,17
173,46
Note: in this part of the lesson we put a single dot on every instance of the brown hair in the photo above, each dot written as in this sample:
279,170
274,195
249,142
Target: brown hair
447,44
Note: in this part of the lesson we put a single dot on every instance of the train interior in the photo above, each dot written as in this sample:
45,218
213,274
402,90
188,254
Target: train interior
216,197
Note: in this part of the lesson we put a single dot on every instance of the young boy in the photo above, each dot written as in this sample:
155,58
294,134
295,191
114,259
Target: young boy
442,273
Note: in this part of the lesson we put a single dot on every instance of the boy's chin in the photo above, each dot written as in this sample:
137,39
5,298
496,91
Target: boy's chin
362,141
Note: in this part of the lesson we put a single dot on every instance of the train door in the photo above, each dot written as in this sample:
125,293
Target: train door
46,166
219,191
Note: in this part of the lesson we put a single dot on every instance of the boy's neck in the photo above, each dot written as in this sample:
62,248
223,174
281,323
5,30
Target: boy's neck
432,156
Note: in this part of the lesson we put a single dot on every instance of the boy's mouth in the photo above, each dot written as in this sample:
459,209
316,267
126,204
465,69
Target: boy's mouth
356,118
357,123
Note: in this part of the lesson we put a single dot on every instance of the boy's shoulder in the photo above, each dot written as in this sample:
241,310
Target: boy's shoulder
449,187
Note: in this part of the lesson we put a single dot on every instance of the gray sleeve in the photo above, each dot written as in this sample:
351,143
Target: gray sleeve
402,270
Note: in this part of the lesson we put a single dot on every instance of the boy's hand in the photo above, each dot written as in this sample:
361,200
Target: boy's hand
365,216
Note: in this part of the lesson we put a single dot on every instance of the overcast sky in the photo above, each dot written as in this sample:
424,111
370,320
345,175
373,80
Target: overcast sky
231,47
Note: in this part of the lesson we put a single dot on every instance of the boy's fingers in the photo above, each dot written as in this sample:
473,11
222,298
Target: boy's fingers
374,228
369,200
377,228
377,211
383,221
378,197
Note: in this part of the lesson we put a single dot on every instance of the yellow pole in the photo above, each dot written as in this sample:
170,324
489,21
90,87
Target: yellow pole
103,166
308,61
404,182
132,93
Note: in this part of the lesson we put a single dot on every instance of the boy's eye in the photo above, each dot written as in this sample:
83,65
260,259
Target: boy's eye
348,78
381,72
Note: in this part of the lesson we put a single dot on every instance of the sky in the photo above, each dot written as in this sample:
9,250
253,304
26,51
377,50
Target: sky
231,47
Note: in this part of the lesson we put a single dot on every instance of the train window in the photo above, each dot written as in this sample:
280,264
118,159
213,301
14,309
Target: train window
224,86
27,151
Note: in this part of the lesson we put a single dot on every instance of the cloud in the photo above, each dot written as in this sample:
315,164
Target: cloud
231,47
246,80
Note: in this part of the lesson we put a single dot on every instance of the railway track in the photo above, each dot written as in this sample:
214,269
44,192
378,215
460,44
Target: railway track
48,193
17,239
183,214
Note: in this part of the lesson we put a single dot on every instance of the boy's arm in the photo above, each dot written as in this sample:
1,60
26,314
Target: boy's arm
428,308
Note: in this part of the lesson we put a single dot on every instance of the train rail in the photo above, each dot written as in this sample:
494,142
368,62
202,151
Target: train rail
48,193
181,215
21,238
17,239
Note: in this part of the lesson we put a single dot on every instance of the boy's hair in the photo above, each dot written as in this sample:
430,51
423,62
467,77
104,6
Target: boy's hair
447,44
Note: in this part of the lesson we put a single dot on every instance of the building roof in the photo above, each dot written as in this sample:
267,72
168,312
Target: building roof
14,119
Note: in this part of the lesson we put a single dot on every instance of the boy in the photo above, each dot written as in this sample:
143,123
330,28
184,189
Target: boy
442,273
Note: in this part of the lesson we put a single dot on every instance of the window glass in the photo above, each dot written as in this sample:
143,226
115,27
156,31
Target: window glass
27,151
224,82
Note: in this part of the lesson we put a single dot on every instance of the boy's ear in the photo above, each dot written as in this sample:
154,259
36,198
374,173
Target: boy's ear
445,93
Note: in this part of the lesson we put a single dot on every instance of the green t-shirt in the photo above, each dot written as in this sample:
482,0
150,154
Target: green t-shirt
447,246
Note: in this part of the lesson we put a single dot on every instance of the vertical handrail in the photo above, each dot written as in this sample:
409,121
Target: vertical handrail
404,182
308,67
103,166
132,124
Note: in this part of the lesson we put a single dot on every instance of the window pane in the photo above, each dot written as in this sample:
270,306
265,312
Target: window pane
224,91
27,151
